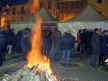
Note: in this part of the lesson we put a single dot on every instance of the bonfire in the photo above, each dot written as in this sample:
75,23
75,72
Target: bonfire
38,66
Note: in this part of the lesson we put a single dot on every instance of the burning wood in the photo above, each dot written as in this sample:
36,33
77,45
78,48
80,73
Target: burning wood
29,74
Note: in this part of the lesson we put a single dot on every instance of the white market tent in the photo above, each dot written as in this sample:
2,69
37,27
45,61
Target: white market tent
86,19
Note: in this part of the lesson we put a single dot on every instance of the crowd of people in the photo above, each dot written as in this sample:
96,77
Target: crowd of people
93,42
13,43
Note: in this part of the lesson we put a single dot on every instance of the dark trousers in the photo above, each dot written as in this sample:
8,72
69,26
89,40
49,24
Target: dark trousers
101,60
1,59
82,48
79,47
93,61
3,51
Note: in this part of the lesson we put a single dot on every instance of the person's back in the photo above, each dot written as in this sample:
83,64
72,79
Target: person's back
95,42
57,39
25,41
82,35
68,41
67,45
3,42
18,41
96,46
78,37
105,43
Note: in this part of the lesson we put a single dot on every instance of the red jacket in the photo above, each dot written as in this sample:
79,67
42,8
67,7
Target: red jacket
78,38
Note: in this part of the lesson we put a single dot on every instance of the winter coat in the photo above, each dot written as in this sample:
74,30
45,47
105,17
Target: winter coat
3,41
83,38
96,43
57,39
105,45
67,41
25,40
78,38
89,38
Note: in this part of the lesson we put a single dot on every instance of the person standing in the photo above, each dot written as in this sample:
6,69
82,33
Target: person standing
79,41
25,41
3,42
104,48
82,41
67,45
96,46
57,40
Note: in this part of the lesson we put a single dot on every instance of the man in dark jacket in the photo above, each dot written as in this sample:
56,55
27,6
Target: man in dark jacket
89,36
57,40
3,42
67,44
83,39
96,46
104,48
25,41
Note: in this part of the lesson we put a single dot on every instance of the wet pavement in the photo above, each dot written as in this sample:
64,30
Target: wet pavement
80,70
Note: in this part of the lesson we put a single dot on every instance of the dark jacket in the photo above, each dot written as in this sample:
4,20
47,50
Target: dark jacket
25,40
96,43
3,41
67,41
105,44
83,37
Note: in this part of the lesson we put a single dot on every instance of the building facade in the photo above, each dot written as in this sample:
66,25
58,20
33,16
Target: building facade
17,11
101,6
65,9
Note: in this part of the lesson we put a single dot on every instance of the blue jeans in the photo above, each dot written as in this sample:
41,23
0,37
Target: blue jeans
66,56
56,51
93,61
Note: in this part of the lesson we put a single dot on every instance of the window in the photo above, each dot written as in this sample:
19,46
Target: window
100,1
14,11
78,4
22,10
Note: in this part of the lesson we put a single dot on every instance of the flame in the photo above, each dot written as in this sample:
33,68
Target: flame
35,56
3,22
34,7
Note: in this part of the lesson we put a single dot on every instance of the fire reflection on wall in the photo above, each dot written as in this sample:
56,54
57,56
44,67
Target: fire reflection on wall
65,9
